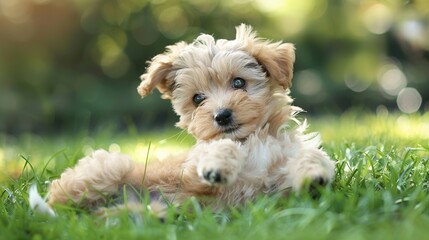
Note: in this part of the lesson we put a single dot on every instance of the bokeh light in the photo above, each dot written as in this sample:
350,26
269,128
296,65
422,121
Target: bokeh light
355,83
113,60
172,22
378,18
409,100
391,79
114,147
308,82
16,12
414,32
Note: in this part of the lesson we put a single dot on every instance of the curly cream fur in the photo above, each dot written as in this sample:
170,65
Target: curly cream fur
258,154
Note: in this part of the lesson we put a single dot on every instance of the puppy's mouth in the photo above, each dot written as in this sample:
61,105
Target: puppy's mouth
230,129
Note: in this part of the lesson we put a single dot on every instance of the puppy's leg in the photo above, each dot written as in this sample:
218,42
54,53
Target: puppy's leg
218,162
92,179
175,178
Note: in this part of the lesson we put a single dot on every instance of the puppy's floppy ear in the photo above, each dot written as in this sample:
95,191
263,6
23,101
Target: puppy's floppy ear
157,73
277,58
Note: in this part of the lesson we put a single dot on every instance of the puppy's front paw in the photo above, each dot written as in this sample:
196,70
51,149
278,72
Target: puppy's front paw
217,173
215,176
315,185
313,177
220,162
314,172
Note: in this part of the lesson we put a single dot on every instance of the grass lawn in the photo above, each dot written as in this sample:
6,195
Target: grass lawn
380,192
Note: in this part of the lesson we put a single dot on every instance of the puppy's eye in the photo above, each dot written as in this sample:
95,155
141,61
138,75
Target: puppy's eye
238,83
198,99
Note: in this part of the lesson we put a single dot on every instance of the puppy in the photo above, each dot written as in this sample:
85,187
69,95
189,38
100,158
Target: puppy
232,96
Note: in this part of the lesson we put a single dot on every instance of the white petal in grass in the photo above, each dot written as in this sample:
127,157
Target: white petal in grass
347,168
38,204
348,154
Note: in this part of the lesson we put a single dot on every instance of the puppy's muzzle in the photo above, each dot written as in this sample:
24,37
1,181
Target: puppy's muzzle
223,117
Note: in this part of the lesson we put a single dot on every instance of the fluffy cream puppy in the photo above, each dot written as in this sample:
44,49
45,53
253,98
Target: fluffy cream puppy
232,96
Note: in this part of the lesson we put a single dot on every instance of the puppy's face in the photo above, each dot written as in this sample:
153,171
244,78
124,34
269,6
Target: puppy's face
224,94
222,88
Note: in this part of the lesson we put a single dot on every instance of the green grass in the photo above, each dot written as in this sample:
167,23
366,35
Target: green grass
380,192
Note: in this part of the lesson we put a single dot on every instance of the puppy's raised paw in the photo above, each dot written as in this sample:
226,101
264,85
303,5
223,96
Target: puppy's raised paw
214,176
217,171
220,162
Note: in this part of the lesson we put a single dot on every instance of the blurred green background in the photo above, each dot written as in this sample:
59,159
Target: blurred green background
66,64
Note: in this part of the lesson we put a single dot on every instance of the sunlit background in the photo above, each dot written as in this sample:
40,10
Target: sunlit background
75,63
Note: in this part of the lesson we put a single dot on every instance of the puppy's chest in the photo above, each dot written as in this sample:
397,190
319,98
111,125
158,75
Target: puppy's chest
264,156
264,170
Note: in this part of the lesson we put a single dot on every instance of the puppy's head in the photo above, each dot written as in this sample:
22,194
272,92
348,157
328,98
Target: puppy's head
222,88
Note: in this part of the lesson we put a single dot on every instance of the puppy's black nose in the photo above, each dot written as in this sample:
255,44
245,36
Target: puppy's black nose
223,117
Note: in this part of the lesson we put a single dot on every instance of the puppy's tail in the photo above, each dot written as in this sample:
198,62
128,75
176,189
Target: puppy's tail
38,204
